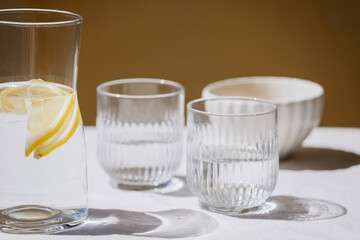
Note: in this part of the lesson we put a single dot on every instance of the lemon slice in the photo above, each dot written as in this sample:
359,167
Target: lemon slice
52,114
46,118
63,135
49,108
40,89
12,100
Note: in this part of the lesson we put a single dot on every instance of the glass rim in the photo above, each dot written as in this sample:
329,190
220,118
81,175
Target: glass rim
100,91
251,99
77,18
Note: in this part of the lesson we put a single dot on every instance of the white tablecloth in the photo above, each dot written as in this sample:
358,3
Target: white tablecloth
317,197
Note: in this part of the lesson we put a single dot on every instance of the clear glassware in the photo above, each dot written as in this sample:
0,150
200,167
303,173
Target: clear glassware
43,172
140,125
232,152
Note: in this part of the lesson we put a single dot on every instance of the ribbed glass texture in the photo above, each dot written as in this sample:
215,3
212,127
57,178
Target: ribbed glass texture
140,131
232,152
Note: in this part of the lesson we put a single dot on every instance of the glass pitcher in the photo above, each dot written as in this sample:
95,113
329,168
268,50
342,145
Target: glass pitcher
43,176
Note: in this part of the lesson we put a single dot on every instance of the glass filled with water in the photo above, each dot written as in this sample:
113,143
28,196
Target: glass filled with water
43,176
232,152
140,124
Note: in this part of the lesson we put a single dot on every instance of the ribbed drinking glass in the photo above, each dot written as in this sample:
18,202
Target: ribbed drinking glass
232,152
140,130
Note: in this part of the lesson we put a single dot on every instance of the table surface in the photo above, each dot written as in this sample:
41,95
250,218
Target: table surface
316,197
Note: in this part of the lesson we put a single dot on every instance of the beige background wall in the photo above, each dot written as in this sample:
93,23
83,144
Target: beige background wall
198,42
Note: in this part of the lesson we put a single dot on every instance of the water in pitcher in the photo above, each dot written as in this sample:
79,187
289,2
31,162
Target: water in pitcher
40,126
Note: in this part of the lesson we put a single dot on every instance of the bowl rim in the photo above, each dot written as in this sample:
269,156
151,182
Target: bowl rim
260,79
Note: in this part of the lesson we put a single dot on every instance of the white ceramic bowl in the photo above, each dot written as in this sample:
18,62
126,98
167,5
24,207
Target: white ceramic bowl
300,104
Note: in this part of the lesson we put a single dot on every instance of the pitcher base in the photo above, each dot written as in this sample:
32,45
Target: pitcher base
40,219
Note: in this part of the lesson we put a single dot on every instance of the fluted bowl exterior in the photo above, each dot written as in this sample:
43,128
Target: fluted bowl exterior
300,104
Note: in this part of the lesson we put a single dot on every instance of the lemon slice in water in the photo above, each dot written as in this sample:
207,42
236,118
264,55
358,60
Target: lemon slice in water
62,135
12,100
52,114
46,118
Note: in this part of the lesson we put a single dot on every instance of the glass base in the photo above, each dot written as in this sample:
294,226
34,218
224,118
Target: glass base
234,210
40,219
137,186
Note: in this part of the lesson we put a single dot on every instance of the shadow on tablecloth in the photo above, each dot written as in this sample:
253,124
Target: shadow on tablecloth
176,188
291,208
320,159
176,223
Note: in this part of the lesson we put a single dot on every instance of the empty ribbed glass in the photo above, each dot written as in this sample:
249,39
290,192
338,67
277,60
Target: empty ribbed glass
232,152
140,127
